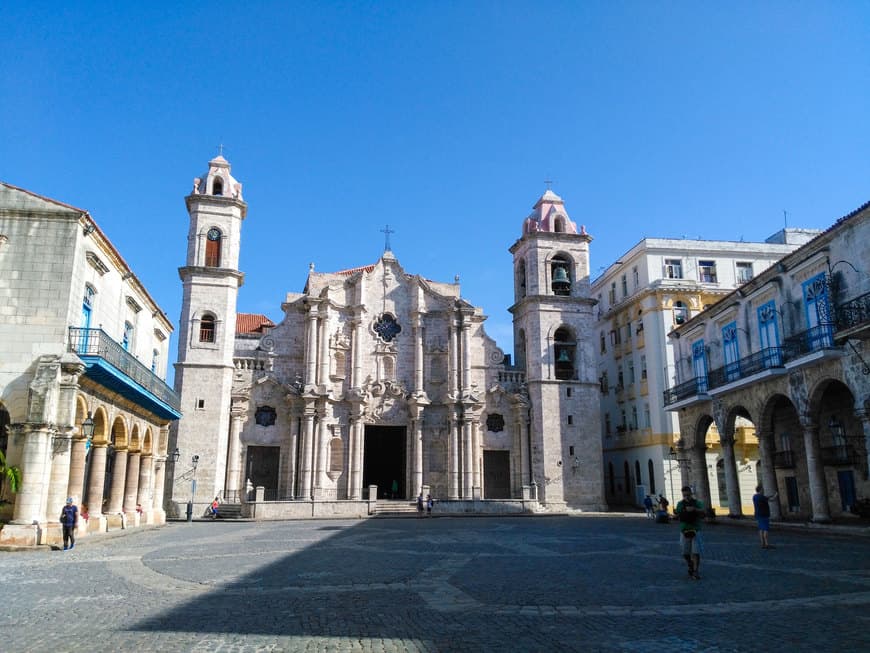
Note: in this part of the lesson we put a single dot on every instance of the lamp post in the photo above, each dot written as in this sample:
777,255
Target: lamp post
193,461
88,426
672,454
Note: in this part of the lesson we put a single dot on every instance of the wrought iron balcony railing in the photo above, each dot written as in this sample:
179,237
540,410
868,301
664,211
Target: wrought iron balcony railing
692,388
783,459
96,342
853,313
817,338
765,359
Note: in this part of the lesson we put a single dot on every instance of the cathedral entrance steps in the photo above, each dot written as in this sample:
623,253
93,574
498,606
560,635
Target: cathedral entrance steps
395,509
230,511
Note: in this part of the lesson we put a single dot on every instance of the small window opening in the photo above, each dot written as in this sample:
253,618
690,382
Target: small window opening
217,186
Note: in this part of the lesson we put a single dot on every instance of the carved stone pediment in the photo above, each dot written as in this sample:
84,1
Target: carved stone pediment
386,401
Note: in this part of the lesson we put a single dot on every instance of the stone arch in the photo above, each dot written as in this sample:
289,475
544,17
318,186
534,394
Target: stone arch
521,279
560,260
118,435
564,352
81,414
101,425
134,438
147,442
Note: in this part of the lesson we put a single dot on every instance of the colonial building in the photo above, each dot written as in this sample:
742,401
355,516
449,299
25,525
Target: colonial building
84,409
378,383
785,354
655,286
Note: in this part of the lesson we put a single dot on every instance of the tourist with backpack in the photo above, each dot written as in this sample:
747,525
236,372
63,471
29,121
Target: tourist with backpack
69,519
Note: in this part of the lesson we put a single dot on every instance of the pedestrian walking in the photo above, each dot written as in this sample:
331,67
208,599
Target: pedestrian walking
214,507
648,504
690,512
69,519
429,503
420,505
761,503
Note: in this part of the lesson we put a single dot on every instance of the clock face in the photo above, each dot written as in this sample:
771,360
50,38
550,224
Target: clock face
214,234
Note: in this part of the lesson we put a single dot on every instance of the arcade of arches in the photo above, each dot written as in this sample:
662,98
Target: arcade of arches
802,435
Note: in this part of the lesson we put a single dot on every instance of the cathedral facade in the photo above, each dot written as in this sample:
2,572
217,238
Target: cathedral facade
380,384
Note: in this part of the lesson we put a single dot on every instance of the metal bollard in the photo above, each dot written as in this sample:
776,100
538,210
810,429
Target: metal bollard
190,511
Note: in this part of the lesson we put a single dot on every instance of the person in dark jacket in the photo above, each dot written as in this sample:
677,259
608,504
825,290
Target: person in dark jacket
69,519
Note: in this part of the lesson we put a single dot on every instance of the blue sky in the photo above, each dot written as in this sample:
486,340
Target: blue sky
442,119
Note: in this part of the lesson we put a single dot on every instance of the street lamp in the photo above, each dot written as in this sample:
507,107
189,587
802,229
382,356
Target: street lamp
673,454
87,428
174,456
193,461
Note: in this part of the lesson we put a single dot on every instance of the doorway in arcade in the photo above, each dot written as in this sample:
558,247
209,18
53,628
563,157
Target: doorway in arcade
384,460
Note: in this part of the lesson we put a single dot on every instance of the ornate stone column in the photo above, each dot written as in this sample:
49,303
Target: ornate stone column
453,360
354,490
322,456
59,478
145,489
467,459
307,454
453,457
119,477
418,355
323,375
356,353
78,451
131,491
476,453
36,468
159,514
816,472
311,348
768,471
97,478
417,430
234,458
732,483
466,357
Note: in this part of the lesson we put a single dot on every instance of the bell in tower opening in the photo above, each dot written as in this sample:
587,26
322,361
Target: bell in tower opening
561,281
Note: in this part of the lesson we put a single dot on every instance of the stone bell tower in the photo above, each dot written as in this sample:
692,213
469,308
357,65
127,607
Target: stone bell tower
204,371
553,341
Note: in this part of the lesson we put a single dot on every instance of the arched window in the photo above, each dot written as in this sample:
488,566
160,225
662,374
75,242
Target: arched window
627,475
217,187
560,276
559,225
206,328
521,279
87,305
637,479
564,349
155,360
652,476
213,248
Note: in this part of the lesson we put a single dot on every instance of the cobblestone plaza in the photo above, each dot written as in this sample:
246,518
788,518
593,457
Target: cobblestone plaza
584,583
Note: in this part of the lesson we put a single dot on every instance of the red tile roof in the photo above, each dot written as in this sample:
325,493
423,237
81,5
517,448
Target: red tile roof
252,323
363,268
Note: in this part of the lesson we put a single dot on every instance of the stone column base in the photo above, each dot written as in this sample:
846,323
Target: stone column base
21,535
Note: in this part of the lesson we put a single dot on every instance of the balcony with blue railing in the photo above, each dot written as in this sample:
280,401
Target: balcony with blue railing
819,338
694,389
767,359
113,367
